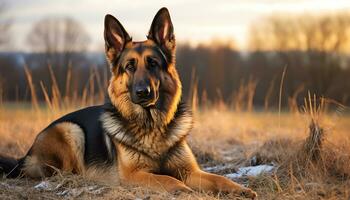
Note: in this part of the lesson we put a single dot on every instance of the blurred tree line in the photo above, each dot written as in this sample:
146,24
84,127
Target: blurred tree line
313,50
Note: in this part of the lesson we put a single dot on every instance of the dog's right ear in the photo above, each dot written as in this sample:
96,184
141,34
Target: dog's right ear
162,33
116,38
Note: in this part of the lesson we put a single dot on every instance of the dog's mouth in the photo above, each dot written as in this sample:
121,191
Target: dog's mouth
146,102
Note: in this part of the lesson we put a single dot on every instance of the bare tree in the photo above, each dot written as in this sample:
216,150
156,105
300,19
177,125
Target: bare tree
304,32
59,42
58,36
316,45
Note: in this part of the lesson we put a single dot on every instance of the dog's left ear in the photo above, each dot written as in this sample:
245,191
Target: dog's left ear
162,33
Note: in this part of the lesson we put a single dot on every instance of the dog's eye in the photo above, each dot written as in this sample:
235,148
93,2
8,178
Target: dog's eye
130,67
152,63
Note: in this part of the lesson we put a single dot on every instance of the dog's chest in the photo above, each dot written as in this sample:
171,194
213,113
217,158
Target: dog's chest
141,143
147,151
151,143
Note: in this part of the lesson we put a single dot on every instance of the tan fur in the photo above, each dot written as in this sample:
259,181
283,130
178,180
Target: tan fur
33,167
75,138
58,147
107,175
120,97
135,170
176,89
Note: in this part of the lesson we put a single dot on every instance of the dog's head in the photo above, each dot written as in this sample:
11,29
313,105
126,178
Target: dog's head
143,73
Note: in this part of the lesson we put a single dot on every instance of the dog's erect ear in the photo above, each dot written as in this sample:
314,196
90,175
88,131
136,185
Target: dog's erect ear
115,38
162,32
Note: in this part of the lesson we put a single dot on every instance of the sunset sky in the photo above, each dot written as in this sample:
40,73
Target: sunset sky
194,21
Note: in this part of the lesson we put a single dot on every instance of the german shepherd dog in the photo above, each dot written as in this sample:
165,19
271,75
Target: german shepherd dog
140,132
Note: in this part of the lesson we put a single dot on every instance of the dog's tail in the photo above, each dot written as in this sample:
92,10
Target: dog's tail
10,167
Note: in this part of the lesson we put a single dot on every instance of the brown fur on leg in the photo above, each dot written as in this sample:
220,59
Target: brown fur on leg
183,162
134,170
201,180
156,182
58,147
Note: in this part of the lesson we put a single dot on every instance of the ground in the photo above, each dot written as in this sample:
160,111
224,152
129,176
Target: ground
223,141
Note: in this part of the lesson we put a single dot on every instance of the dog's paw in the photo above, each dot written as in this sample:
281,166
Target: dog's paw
248,193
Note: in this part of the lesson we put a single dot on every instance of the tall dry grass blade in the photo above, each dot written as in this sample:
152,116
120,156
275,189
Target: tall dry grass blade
68,84
100,85
280,96
339,106
75,98
251,87
84,96
311,107
193,92
34,98
204,99
313,142
220,103
105,77
56,94
87,89
92,87
54,99
269,94
293,101
315,104
192,81
194,102
305,107
46,96
238,97
277,183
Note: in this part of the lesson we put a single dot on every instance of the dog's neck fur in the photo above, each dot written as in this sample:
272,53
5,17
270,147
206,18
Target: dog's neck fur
137,136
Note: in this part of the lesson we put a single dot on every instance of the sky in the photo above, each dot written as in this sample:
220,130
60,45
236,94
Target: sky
195,21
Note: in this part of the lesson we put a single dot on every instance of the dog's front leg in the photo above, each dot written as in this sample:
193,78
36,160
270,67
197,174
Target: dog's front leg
131,171
155,182
204,181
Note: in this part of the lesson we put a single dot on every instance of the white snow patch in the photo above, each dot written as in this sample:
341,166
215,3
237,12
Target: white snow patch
47,186
44,185
218,168
69,192
75,192
251,171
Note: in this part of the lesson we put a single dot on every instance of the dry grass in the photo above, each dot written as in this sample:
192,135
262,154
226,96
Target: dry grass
310,166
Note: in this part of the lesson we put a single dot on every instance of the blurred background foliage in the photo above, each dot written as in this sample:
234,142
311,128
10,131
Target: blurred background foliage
313,49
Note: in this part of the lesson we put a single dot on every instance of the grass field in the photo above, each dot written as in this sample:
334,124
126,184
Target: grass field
220,138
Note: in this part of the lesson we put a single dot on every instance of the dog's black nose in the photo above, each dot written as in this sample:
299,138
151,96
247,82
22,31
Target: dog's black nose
143,92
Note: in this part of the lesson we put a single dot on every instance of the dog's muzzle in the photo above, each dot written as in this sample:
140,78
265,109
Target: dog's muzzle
144,96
